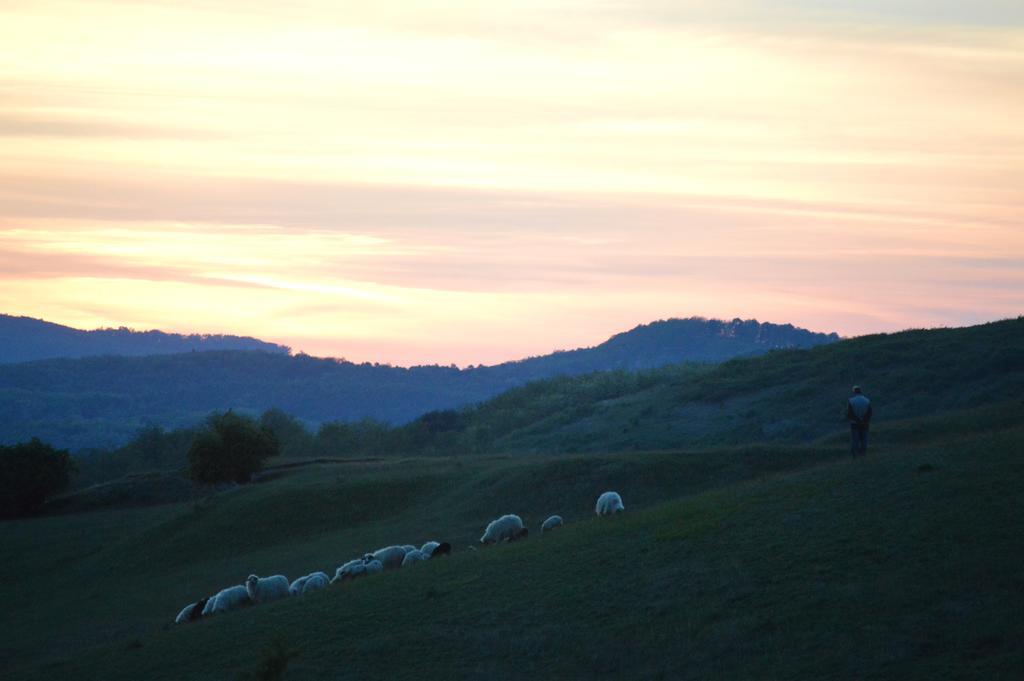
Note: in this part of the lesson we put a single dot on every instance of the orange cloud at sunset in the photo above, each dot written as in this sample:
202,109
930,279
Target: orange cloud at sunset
473,183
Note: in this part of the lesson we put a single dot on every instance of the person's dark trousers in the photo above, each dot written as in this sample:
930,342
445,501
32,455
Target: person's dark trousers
858,439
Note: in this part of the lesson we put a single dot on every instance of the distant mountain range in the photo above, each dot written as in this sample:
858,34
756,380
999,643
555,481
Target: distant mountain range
102,401
23,339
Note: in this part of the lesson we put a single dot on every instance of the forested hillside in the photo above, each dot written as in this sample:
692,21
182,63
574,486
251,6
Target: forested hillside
103,401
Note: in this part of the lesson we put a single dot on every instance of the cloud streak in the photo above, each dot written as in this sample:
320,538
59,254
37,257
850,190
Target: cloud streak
457,183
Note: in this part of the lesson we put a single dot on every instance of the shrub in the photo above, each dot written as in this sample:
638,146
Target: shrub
30,472
230,448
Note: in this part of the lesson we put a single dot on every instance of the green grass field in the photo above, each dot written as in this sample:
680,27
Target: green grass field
769,562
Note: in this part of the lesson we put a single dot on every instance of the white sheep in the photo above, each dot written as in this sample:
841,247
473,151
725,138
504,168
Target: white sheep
390,556
433,548
359,567
506,528
315,582
609,503
231,598
414,556
296,587
191,612
266,589
551,523
350,570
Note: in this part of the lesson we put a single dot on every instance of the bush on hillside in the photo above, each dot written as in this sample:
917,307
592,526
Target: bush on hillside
31,472
230,448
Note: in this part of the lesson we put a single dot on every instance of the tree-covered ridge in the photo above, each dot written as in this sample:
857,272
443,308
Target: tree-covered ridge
24,339
103,401
787,396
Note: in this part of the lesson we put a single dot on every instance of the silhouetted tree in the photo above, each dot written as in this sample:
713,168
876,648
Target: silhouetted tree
230,448
29,473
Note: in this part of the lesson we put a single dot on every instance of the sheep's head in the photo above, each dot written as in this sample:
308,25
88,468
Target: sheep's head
442,549
250,586
522,533
197,609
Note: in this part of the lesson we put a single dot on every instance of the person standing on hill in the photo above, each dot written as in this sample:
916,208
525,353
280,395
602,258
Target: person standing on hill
858,413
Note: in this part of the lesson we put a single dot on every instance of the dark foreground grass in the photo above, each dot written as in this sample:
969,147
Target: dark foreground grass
905,565
313,519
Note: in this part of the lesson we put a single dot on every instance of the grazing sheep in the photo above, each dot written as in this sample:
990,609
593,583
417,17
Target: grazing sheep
231,598
266,589
357,568
191,612
609,503
315,582
551,523
506,528
390,556
296,588
414,556
350,570
433,548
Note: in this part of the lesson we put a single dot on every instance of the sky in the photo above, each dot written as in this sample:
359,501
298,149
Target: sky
473,182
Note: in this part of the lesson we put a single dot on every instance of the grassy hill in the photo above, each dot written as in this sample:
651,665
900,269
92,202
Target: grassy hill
754,561
783,396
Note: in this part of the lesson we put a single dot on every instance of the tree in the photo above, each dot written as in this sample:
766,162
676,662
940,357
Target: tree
30,472
230,448
291,435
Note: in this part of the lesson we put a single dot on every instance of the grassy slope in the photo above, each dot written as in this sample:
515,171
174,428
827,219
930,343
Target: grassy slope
744,562
784,396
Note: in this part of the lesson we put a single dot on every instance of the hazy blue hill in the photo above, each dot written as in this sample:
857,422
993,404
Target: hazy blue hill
670,341
103,401
23,339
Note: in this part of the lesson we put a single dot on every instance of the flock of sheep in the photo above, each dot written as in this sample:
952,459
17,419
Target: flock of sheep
258,590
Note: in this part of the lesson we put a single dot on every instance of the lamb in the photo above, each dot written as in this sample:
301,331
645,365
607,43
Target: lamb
414,556
506,528
315,582
226,600
551,523
191,612
390,556
266,589
609,503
